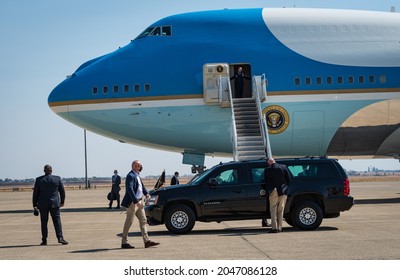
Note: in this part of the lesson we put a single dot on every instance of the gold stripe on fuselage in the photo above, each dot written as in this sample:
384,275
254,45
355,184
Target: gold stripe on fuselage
194,96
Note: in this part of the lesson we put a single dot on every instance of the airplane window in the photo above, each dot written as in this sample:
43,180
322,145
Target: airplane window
105,90
371,79
115,89
126,88
329,80
94,90
319,80
382,79
156,32
137,88
351,80
166,31
146,32
361,79
297,81
308,81
146,87
340,80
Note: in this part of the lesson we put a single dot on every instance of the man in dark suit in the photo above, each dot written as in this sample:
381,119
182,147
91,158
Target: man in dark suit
115,188
175,180
133,202
239,78
48,197
277,180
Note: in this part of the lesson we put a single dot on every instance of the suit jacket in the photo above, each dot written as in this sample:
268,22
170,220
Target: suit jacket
277,176
116,181
48,192
131,187
174,181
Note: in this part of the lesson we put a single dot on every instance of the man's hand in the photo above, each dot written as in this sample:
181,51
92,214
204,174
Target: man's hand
139,204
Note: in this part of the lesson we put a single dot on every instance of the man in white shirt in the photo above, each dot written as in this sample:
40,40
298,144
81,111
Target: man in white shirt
133,202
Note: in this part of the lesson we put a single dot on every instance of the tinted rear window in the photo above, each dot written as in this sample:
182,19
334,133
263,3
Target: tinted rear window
313,170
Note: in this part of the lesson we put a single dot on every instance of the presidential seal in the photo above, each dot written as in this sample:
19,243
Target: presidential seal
277,119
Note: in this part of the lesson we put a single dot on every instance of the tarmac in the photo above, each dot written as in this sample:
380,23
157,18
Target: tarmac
368,231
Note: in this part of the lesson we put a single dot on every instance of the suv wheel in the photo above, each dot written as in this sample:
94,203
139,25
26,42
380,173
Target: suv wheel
180,219
307,215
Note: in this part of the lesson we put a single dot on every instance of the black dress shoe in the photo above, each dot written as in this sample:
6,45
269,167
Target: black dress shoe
44,242
117,207
127,246
150,244
62,241
264,223
273,231
109,207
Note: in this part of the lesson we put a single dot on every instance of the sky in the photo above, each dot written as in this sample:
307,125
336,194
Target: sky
43,41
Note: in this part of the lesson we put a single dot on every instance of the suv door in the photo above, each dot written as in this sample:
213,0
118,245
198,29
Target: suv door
223,193
256,204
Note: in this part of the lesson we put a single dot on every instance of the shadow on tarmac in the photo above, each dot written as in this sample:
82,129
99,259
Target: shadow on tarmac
238,231
104,209
377,201
19,246
235,231
66,210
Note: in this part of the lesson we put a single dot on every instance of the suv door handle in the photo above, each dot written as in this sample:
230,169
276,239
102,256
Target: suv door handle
238,191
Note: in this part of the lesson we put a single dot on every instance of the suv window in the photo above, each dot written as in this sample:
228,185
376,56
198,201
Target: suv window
257,174
227,177
313,170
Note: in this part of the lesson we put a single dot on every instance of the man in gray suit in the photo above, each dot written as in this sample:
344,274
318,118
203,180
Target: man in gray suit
48,197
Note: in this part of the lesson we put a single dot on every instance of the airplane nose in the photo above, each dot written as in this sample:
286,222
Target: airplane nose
58,98
69,91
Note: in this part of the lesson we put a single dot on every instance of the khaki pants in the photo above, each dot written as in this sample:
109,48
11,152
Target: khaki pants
131,212
276,208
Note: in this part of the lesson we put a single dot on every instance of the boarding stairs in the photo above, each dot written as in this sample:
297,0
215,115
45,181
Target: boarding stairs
250,138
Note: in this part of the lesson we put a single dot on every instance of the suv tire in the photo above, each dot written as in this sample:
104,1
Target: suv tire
180,219
307,215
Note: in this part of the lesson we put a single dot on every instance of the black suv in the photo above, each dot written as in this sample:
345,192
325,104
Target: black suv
231,191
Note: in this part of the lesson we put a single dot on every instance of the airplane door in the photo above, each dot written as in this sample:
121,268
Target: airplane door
212,73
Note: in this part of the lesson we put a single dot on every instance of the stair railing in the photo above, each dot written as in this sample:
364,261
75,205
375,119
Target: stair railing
259,94
225,81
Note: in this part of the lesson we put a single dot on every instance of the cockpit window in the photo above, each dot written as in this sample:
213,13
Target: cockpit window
166,31
156,31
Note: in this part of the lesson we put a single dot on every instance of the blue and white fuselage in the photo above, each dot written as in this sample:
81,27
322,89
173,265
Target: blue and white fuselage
335,72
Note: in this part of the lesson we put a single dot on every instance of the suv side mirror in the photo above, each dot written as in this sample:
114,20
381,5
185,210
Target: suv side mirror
212,183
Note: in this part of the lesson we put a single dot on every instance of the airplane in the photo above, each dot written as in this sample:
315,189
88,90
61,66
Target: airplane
326,81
